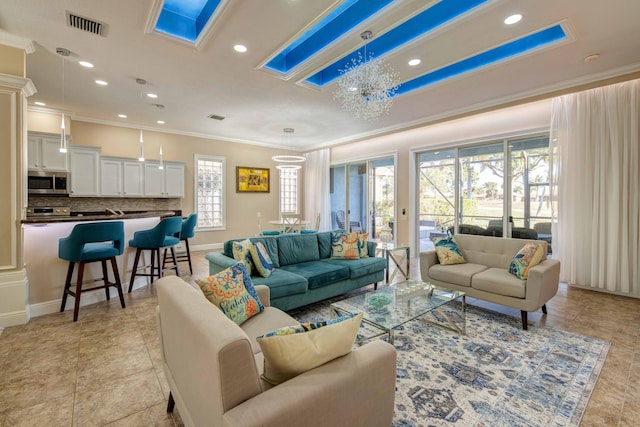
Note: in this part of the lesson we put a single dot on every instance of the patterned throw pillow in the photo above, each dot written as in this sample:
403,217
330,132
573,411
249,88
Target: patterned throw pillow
261,259
345,246
529,256
241,253
448,252
233,292
362,243
292,350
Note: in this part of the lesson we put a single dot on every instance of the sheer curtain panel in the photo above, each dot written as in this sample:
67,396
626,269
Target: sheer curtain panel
316,188
595,162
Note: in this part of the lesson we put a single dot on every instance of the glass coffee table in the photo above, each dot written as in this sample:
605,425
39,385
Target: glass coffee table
393,306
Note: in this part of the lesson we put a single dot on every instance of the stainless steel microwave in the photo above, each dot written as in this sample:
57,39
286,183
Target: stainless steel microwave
44,182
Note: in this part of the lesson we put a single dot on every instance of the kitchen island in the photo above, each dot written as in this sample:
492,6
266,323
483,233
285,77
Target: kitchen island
46,272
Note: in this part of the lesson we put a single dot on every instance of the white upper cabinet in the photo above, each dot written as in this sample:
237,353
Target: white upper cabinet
84,172
166,182
120,178
43,153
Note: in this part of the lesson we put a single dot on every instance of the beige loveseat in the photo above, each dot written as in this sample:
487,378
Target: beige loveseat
213,369
486,275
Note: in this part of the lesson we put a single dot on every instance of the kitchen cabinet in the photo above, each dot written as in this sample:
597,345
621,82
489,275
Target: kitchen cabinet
121,178
167,182
84,171
43,153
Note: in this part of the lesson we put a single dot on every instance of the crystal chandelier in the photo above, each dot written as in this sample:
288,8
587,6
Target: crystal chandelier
288,161
366,86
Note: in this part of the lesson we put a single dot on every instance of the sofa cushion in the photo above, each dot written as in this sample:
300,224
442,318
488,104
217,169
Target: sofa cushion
529,256
360,267
296,248
459,274
269,319
324,244
269,242
283,283
318,273
499,281
292,350
232,291
261,259
448,251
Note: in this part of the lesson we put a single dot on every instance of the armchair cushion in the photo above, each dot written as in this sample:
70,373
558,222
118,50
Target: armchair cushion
529,256
232,291
292,350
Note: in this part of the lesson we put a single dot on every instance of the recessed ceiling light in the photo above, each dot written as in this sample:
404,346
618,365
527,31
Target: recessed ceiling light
86,64
160,122
152,95
40,103
240,48
510,20
592,57
101,82
414,62
122,116
353,89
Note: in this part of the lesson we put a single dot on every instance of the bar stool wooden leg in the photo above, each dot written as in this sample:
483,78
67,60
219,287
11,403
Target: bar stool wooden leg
67,286
135,268
105,278
186,243
116,273
76,306
175,260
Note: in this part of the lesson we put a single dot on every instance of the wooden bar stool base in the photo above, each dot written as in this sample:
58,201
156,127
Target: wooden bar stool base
157,270
79,283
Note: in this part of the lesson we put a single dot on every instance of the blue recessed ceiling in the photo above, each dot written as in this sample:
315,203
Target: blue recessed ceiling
491,56
424,22
185,19
341,20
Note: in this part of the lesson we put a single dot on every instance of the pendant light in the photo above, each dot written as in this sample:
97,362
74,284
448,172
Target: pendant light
63,136
161,162
288,161
141,155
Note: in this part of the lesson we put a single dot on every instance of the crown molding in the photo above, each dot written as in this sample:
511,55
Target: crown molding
22,84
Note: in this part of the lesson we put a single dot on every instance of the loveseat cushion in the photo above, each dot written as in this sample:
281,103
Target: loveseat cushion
282,283
318,273
459,274
360,267
499,281
297,248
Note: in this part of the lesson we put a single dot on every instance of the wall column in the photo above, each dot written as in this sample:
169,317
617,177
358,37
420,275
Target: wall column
14,90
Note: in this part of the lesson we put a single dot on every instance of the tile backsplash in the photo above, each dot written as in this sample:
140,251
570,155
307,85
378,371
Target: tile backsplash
96,204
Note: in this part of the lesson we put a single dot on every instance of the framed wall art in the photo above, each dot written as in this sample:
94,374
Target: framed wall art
252,180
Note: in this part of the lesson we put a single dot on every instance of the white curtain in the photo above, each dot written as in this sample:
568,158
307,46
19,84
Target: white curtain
595,162
316,187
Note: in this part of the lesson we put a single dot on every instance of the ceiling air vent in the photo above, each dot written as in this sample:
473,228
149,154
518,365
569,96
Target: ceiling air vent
86,24
216,117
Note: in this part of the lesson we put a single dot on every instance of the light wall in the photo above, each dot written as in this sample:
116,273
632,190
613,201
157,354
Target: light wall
521,119
241,209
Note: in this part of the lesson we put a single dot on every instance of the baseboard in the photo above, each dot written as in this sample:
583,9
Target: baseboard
13,319
208,247
13,307
91,297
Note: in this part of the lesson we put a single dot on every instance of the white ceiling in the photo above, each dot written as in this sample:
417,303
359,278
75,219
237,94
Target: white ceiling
193,83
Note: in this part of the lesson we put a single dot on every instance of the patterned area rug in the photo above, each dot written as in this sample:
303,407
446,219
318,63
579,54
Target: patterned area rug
495,375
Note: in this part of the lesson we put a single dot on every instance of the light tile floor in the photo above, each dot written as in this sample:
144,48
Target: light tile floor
104,370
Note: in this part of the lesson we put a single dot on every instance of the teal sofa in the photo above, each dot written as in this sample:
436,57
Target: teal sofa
305,272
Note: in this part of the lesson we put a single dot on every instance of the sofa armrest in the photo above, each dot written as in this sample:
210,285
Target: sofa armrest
264,293
542,283
219,262
357,389
427,259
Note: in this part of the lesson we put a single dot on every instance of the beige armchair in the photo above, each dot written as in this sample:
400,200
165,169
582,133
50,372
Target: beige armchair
213,370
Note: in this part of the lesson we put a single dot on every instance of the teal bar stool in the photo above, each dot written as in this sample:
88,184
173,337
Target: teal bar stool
187,232
92,242
164,235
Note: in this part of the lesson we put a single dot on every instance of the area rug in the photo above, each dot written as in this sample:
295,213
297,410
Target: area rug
495,375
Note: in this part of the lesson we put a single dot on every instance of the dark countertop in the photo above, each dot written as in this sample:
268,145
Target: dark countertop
92,217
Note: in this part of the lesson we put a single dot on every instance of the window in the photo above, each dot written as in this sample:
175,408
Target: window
209,194
289,183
